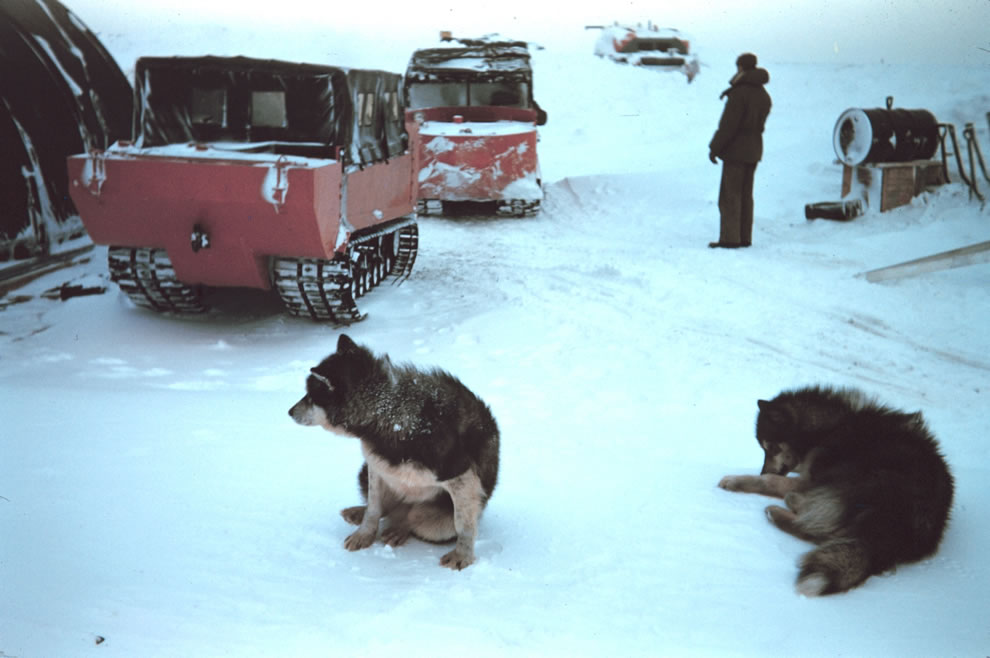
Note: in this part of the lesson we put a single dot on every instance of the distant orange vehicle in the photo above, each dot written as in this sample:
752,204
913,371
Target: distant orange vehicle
472,123
258,174
649,46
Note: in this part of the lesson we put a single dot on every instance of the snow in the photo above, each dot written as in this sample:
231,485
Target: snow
447,128
526,188
42,213
77,91
94,173
157,500
474,64
249,152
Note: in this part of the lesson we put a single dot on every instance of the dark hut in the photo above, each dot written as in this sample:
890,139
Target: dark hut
60,93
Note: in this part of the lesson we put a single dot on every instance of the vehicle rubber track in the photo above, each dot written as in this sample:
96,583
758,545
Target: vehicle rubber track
500,208
146,275
518,207
327,290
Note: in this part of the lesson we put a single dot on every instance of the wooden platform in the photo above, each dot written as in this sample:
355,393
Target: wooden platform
890,184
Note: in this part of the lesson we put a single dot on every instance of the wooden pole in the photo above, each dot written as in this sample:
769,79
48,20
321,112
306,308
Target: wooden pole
971,255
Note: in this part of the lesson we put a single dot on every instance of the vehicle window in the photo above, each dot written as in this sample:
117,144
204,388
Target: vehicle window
268,109
368,114
661,44
359,110
505,94
392,103
209,106
437,94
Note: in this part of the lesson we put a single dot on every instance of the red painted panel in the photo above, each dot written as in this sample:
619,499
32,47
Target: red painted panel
382,191
475,153
251,210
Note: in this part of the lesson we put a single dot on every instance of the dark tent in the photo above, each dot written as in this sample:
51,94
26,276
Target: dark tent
60,93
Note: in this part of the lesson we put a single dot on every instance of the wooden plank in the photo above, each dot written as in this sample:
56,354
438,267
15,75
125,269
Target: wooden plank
20,273
897,188
971,255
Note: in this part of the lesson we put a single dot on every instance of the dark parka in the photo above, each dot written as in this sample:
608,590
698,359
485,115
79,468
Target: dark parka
739,137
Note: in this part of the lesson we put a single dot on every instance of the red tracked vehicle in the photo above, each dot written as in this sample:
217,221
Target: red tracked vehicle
254,173
472,124
651,47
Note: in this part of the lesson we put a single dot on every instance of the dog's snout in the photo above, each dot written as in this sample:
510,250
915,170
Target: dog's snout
306,413
297,412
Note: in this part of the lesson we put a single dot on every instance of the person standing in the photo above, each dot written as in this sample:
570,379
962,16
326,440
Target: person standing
738,142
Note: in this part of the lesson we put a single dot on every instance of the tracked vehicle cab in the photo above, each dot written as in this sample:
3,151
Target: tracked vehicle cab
472,121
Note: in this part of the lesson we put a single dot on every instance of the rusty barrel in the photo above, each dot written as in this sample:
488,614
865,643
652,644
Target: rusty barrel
884,135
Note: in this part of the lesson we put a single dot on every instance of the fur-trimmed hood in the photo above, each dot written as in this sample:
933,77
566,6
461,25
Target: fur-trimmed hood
752,77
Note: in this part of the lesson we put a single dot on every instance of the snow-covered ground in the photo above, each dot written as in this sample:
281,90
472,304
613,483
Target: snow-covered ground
157,500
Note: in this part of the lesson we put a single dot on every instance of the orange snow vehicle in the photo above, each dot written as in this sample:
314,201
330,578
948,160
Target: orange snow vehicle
254,173
472,124
651,47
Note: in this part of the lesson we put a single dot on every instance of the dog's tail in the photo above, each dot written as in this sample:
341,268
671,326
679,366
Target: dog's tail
837,565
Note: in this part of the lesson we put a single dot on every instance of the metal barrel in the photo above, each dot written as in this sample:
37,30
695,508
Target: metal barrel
884,135
837,210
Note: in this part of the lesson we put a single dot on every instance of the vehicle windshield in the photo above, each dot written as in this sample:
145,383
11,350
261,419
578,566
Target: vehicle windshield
460,94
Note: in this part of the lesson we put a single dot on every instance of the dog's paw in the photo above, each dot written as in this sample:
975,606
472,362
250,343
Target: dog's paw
358,540
813,584
735,482
456,560
794,501
353,515
780,516
396,536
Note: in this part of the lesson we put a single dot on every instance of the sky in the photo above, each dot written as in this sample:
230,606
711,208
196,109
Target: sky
844,31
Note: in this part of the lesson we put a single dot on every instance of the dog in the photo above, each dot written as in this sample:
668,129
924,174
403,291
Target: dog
431,448
872,490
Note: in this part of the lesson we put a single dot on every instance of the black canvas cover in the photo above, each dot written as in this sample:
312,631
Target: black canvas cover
60,93
306,109
379,115
494,61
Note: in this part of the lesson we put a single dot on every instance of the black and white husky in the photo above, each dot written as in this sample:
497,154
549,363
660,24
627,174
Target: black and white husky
872,489
431,448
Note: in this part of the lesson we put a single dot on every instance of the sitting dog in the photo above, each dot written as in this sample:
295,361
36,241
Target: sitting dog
873,491
431,448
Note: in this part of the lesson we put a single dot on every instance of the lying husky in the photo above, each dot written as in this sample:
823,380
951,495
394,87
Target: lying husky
873,490
430,448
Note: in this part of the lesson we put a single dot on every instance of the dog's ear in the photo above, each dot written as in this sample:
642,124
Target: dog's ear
320,378
345,345
774,412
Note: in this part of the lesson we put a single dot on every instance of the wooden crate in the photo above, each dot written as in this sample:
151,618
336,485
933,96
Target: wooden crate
890,184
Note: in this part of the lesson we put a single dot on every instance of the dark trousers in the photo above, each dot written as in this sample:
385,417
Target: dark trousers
735,203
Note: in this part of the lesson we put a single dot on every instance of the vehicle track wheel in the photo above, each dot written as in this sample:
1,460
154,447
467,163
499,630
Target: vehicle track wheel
316,288
146,276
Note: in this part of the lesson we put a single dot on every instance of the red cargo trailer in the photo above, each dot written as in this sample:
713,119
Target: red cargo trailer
254,173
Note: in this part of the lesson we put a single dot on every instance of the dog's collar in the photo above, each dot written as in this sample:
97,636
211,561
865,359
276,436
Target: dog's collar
320,378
